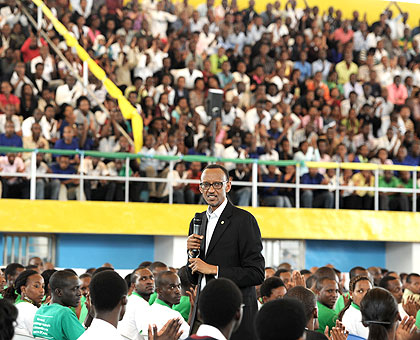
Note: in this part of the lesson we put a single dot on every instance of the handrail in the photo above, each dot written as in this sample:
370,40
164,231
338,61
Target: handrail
208,159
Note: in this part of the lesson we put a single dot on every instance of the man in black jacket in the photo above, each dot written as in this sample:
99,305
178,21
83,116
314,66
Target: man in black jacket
230,246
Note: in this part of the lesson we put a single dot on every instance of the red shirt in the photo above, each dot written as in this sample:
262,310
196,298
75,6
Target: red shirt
13,100
113,5
195,187
29,54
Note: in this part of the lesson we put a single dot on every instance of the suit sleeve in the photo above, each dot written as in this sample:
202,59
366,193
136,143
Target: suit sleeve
251,271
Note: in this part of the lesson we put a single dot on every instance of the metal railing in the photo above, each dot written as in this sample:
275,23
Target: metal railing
254,184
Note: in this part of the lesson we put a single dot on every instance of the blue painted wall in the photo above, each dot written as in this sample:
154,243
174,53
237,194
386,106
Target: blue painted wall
92,250
344,255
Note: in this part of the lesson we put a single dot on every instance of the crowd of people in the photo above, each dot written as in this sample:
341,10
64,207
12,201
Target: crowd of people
157,302
298,85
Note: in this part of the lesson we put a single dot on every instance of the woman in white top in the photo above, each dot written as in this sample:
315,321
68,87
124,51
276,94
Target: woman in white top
350,316
27,293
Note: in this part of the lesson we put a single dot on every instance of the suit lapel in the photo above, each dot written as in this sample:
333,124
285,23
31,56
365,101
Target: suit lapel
222,224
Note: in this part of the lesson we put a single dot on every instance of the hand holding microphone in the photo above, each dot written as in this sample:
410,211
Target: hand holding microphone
194,240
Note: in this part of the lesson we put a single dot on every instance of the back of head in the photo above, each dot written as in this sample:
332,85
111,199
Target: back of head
310,281
106,290
306,297
312,335
283,318
326,272
11,269
219,301
8,316
46,274
379,312
101,269
157,264
183,277
270,284
60,279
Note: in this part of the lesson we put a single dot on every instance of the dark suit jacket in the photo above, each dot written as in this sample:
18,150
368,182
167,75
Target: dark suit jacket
236,248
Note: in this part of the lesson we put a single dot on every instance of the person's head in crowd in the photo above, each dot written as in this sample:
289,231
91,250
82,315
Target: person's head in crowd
65,288
285,317
358,288
157,267
28,286
12,271
70,80
326,272
143,281
64,162
168,288
9,129
6,88
393,285
8,316
46,274
220,306
37,261
376,274
327,291
305,273
286,276
269,271
85,279
413,283
108,293
379,313
358,271
272,288
101,269
186,284
308,300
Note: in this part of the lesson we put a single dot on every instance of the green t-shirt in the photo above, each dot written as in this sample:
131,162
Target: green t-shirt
84,311
152,298
326,317
56,322
339,305
183,307
418,320
393,183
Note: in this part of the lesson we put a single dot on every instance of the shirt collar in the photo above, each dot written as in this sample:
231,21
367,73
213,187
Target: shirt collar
218,211
160,302
207,330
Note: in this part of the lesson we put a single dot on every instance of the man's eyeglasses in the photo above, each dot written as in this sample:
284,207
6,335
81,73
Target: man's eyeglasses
215,185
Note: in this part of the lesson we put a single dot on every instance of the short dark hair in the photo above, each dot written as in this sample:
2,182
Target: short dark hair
269,284
320,282
101,269
11,269
85,275
305,271
353,271
305,296
145,264
283,316
218,166
106,290
384,283
156,264
219,301
160,279
59,279
410,276
8,316
183,277
46,274
326,272
310,281
281,271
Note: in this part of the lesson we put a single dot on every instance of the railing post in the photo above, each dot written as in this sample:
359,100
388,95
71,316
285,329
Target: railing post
297,193
414,190
85,77
82,172
127,182
254,184
39,17
337,190
32,195
376,201
170,182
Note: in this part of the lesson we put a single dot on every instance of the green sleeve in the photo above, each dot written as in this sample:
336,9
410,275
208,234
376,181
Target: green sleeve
152,298
326,317
183,307
84,311
418,320
72,329
339,305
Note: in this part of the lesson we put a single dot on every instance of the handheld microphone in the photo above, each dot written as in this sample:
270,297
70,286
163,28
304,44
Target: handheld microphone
196,230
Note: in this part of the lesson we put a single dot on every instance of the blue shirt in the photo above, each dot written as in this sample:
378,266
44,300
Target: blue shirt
305,70
265,190
15,140
224,79
55,168
60,144
410,160
307,179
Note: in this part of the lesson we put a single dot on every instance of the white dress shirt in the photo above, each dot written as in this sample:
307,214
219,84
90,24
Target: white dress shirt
160,315
135,319
207,330
100,329
25,319
212,219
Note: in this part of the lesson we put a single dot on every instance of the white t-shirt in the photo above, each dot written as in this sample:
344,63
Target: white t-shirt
135,321
25,319
160,315
100,329
352,320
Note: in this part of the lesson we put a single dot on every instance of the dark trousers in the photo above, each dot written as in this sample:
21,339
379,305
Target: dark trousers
103,192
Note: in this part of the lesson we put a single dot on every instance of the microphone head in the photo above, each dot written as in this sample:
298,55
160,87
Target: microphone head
197,218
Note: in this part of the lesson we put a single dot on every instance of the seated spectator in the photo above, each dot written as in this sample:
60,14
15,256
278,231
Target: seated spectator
97,190
192,192
303,66
68,142
394,286
9,115
413,287
270,196
13,187
307,153
26,293
283,316
9,137
65,188
42,184
69,92
178,173
327,294
272,289
35,141
391,200
313,198
362,199
217,322
57,320
7,97
241,195
225,77
397,92
350,315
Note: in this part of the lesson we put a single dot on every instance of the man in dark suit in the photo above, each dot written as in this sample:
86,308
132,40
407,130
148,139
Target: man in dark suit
230,246
37,80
